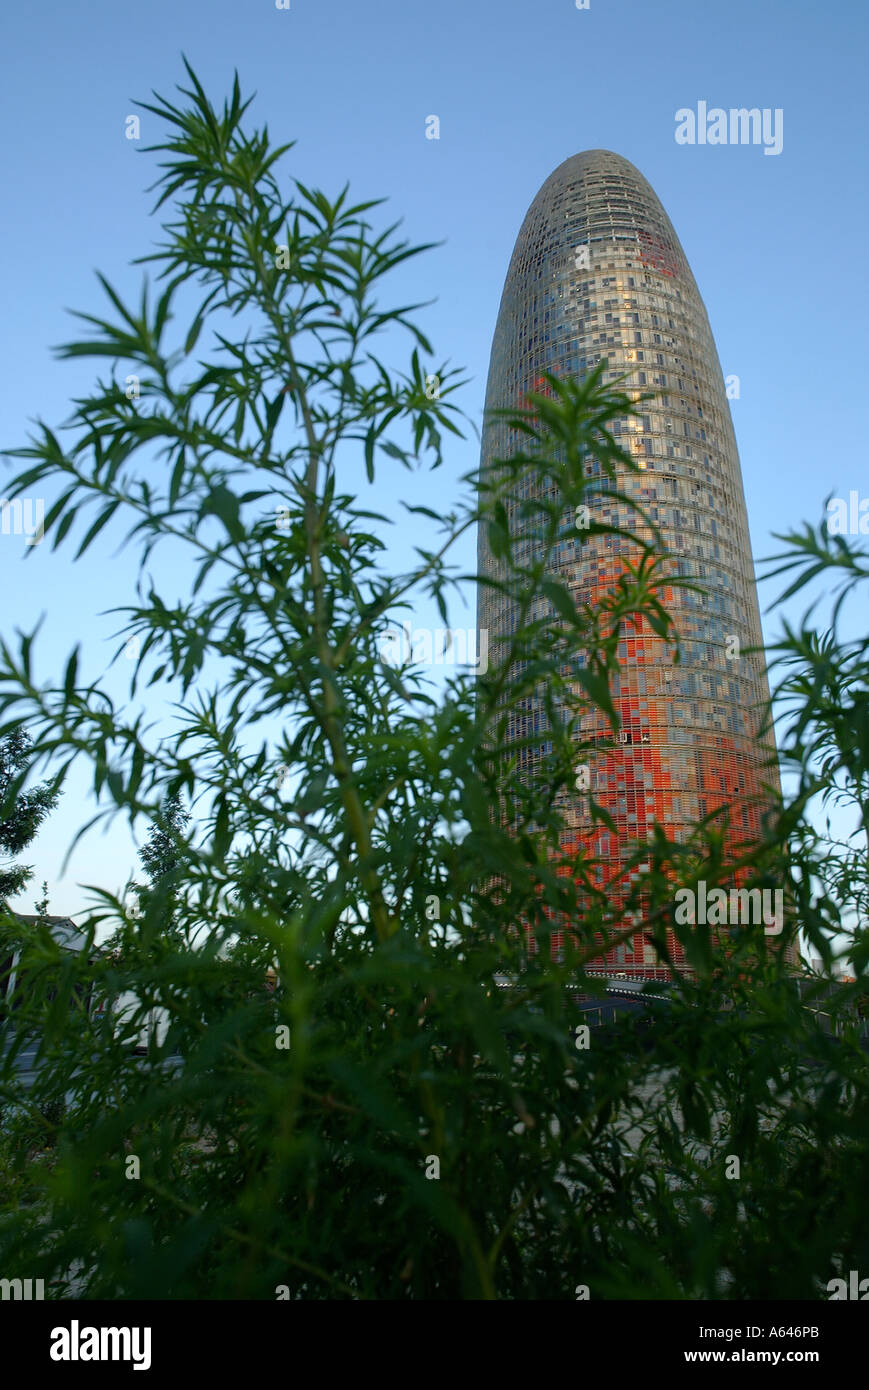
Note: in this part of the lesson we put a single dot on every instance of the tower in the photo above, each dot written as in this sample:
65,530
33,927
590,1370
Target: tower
598,272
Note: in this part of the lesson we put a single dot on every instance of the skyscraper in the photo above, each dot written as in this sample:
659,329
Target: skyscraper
598,272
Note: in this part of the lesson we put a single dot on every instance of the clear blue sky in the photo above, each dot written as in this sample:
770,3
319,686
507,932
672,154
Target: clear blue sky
775,242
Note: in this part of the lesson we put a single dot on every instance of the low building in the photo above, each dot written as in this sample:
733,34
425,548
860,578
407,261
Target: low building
64,931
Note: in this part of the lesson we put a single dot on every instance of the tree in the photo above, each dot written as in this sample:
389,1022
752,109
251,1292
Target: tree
393,1122
162,855
21,812
42,904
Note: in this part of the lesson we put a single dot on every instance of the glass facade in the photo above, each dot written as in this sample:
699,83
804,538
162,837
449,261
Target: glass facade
598,272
